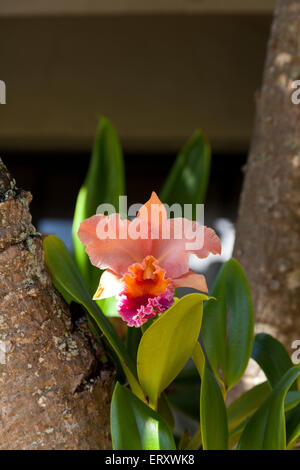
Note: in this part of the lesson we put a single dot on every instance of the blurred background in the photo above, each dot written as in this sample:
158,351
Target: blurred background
158,69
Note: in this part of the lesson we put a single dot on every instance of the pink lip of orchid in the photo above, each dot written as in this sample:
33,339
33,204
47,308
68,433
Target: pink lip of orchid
144,272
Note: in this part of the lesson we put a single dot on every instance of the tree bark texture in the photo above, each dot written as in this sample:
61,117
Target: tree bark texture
54,394
268,228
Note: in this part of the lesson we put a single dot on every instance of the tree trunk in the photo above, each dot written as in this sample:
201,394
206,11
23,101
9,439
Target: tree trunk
53,392
268,228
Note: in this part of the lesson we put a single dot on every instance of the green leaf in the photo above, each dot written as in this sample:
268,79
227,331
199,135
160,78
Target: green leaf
67,277
228,324
165,410
271,356
186,386
195,442
184,440
135,426
247,403
265,430
213,415
167,345
68,298
291,401
188,178
133,338
104,183
108,306
293,426
199,359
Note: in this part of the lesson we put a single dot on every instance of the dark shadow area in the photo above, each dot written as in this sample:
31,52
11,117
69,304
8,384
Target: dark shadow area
54,180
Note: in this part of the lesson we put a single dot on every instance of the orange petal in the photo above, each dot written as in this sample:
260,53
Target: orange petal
110,285
146,278
191,279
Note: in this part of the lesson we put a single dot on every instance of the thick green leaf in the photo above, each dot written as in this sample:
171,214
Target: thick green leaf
184,440
195,442
247,403
272,357
133,338
104,183
165,410
293,426
228,324
167,345
135,426
199,359
108,306
188,178
292,399
213,415
67,277
265,430
186,386
68,298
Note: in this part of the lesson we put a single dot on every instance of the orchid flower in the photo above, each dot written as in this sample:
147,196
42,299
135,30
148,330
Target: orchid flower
143,267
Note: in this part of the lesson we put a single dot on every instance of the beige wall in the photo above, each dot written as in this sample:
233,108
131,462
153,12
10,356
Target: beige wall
157,77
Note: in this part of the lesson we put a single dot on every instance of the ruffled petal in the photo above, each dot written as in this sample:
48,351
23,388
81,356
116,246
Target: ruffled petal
191,279
110,285
212,244
146,278
137,310
181,237
109,245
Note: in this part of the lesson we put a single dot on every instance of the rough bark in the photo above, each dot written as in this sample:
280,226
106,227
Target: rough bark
54,394
268,228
